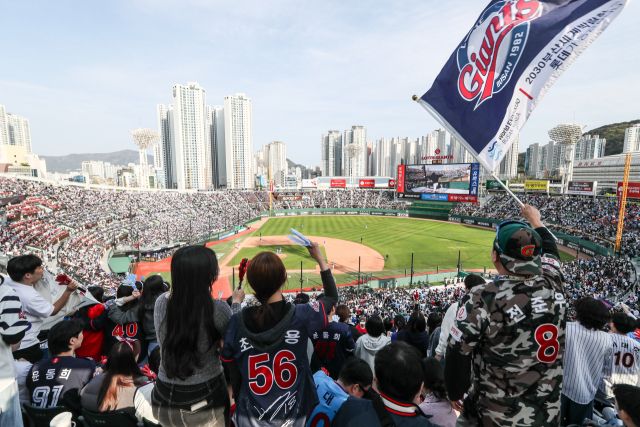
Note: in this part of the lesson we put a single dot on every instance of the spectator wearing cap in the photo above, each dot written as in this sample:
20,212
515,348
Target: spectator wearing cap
509,335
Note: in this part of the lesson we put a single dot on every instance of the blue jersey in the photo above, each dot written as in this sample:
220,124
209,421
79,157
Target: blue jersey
331,395
331,347
277,387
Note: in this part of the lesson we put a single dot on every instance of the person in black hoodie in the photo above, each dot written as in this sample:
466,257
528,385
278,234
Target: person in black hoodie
265,346
415,333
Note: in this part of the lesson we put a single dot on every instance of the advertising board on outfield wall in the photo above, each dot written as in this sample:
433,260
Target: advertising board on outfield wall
633,190
493,185
582,188
365,212
536,185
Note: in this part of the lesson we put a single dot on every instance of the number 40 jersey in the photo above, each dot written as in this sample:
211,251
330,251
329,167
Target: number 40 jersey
277,387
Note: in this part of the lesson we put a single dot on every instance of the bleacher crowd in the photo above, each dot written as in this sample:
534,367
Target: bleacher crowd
563,340
583,217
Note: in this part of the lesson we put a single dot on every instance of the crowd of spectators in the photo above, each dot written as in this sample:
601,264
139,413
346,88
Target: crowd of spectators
583,217
375,357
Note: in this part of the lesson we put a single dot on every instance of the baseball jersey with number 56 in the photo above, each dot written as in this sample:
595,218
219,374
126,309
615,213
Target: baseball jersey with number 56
515,329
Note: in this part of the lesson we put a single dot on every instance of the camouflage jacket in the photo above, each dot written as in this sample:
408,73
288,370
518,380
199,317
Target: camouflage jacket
515,331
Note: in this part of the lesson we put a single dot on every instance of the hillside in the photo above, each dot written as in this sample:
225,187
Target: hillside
64,164
614,134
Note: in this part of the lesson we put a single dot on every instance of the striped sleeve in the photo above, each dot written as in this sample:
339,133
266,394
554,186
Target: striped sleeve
12,318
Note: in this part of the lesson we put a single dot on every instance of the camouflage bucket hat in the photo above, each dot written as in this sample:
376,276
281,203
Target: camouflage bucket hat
519,247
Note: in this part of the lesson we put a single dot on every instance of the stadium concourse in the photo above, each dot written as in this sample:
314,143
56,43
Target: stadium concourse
73,228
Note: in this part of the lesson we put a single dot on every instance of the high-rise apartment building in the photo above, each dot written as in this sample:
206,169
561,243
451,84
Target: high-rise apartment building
277,161
184,151
191,137
632,139
509,165
14,130
162,153
590,147
4,126
238,134
332,153
356,166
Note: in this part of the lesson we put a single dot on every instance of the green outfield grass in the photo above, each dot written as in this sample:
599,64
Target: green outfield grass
294,254
433,244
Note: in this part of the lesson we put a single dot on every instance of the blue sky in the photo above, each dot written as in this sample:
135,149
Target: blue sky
86,72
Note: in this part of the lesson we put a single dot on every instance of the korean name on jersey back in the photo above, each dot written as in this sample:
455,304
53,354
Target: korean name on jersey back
57,381
278,388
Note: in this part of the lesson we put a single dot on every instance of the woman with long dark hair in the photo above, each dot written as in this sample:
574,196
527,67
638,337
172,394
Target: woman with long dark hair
266,346
190,324
113,390
436,402
415,334
154,286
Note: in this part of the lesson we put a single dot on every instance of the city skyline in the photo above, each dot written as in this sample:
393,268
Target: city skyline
293,66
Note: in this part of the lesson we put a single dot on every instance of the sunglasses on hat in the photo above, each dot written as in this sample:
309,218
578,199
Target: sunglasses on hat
509,222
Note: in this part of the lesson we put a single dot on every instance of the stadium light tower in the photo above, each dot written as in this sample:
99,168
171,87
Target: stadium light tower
567,134
144,139
352,151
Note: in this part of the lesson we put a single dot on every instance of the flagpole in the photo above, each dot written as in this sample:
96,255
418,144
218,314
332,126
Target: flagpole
493,175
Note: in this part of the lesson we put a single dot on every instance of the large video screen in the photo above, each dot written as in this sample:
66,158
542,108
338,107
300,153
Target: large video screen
455,182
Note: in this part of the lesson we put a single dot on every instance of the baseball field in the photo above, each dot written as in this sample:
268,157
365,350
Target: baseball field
377,246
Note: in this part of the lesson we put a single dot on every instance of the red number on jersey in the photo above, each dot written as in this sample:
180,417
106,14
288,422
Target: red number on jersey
256,371
118,331
320,416
130,329
281,364
547,338
321,349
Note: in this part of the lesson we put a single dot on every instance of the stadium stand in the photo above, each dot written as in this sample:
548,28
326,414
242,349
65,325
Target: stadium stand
73,228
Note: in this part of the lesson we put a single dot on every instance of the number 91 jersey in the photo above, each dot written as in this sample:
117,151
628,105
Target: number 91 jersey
277,386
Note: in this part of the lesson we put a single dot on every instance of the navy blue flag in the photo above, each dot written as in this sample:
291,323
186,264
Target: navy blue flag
504,66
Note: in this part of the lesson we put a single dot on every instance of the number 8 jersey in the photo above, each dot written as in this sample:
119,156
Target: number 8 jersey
277,384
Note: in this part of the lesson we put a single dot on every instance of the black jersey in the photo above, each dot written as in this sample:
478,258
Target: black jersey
57,381
277,387
331,347
114,332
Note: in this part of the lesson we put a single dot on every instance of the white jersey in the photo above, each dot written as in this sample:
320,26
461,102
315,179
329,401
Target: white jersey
586,352
624,366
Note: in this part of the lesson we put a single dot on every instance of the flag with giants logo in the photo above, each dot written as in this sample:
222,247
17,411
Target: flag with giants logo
504,66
